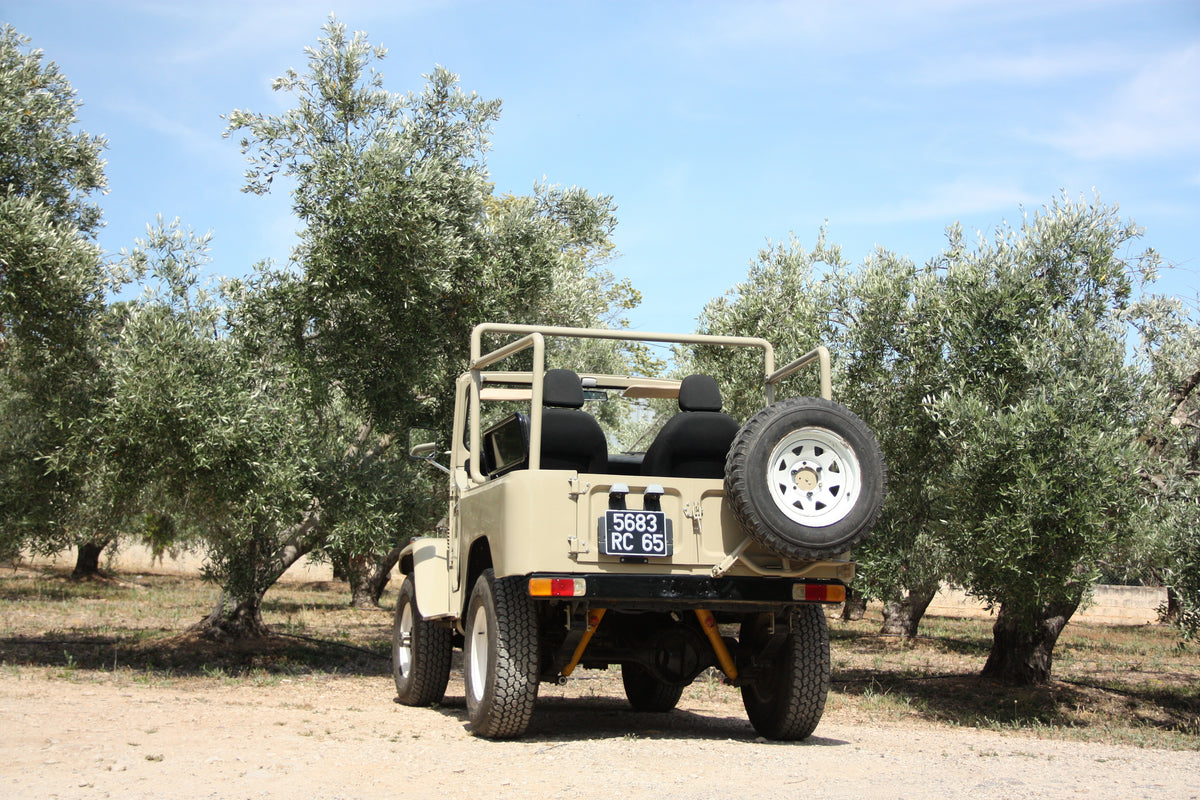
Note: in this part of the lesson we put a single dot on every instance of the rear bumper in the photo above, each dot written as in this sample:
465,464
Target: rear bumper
671,592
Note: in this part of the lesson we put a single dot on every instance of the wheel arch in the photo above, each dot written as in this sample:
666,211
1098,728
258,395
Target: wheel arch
479,559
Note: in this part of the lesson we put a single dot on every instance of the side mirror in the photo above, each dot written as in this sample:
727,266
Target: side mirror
423,450
422,445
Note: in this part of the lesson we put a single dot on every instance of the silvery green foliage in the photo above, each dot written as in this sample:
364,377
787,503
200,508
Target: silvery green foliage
889,361
879,321
1170,356
1040,410
43,155
51,290
404,247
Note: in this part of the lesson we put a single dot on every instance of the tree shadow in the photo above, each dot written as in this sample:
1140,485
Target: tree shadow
190,655
109,632
872,641
973,701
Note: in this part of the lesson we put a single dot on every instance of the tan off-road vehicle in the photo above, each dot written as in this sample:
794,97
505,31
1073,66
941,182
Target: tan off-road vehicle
559,554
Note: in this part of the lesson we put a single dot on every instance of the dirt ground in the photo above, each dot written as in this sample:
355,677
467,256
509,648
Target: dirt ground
94,735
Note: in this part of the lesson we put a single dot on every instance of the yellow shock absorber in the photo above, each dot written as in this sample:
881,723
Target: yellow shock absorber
718,644
593,622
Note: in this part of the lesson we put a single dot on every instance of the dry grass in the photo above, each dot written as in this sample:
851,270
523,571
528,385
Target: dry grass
137,624
1132,685
1123,685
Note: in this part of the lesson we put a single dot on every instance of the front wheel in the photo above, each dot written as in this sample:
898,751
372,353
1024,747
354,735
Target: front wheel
421,652
500,657
646,692
786,699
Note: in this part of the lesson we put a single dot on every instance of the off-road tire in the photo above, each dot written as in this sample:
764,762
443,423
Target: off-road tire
645,692
500,657
421,652
785,702
806,478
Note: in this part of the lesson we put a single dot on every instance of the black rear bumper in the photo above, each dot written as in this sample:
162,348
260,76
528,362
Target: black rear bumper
671,592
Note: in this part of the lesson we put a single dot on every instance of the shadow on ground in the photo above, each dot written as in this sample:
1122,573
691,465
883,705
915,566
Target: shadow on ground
560,720
970,700
186,655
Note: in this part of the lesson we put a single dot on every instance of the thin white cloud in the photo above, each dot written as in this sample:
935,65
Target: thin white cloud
1035,67
946,202
191,139
1155,113
861,26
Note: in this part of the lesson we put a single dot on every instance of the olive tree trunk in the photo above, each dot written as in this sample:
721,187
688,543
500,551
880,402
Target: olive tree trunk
368,578
855,606
234,618
238,612
1023,647
902,614
87,561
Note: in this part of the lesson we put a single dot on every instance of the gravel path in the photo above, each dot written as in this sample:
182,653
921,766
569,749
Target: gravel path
345,738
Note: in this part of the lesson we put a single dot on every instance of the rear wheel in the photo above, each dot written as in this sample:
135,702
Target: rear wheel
500,657
646,692
787,698
421,652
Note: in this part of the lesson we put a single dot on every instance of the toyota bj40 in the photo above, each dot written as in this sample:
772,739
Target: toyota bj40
718,546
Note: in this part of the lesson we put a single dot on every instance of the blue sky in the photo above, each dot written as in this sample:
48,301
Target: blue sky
715,126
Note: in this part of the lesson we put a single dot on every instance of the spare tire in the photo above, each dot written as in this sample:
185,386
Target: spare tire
806,478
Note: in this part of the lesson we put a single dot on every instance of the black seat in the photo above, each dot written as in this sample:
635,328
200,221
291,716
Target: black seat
694,442
571,438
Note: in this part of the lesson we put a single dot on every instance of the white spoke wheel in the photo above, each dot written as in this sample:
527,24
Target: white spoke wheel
500,657
421,652
806,478
814,477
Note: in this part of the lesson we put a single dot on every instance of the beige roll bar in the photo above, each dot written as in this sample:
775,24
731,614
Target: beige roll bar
535,336
622,335
820,354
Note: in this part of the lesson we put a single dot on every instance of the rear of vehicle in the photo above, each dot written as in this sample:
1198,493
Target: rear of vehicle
716,546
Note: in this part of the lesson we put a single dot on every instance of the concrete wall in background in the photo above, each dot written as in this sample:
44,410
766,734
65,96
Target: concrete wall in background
136,558
1110,605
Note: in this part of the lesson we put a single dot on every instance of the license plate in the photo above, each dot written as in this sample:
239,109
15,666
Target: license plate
635,533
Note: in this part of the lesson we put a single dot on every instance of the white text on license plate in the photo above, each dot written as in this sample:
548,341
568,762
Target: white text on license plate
635,533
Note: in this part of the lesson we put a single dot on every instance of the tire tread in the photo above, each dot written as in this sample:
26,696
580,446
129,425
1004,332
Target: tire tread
508,706
432,650
795,710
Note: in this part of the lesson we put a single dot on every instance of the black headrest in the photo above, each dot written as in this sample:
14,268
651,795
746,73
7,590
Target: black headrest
699,393
561,388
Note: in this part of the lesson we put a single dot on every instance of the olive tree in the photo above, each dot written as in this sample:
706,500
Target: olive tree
200,432
52,283
1170,356
889,361
403,249
879,321
1039,415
